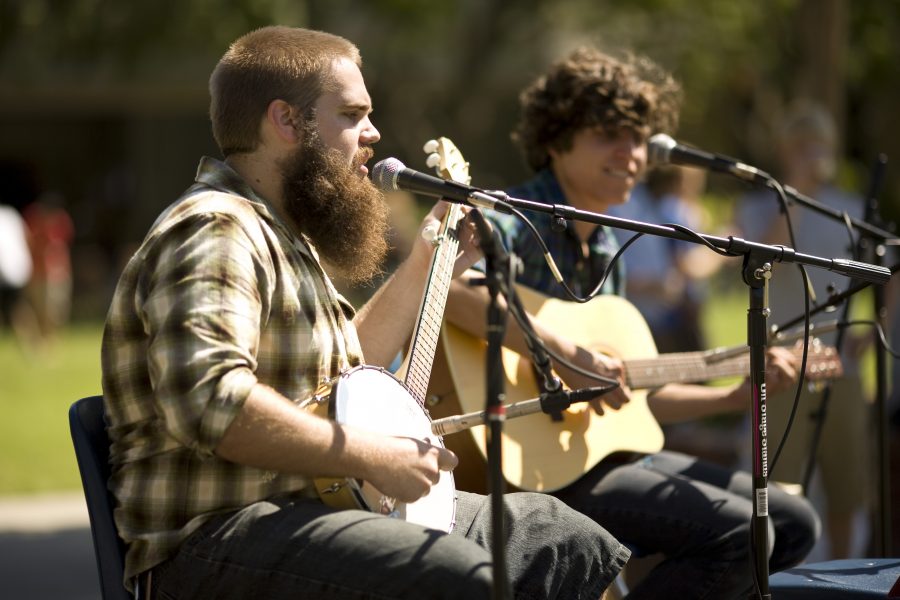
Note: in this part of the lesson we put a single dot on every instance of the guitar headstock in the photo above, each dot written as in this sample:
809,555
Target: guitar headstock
822,361
447,161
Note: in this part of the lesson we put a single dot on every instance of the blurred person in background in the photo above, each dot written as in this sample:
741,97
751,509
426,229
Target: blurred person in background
807,156
15,273
666,278
50,235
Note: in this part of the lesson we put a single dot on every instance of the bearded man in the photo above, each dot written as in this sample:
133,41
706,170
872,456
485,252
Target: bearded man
225,319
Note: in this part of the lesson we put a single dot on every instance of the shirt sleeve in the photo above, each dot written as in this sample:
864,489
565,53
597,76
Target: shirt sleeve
202,302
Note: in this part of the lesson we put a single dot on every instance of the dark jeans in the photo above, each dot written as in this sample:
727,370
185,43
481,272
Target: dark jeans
698,516
295,548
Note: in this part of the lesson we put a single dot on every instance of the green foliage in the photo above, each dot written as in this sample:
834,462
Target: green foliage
123,39
455,68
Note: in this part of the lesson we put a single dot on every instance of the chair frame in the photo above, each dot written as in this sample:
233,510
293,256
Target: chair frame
88,428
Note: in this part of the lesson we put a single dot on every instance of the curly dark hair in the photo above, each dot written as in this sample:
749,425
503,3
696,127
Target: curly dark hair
589,88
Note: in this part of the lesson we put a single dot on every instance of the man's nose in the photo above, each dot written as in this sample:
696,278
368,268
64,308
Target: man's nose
370,134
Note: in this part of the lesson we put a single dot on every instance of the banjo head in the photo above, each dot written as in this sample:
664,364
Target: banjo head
373,399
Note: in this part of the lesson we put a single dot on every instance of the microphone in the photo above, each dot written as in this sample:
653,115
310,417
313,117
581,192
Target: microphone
662,149
390,175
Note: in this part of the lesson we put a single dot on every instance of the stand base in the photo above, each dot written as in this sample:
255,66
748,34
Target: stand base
851,579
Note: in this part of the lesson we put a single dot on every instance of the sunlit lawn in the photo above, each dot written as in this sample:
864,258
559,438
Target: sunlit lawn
36,390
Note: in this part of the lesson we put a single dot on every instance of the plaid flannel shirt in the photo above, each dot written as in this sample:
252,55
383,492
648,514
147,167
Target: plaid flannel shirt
220,295
580,272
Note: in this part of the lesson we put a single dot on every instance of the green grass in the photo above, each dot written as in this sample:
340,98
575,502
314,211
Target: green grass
36,390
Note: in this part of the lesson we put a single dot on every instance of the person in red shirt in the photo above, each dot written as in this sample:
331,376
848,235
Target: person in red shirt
50,235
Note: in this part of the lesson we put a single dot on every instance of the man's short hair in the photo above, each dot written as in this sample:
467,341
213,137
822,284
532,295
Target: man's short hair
291,64
589,89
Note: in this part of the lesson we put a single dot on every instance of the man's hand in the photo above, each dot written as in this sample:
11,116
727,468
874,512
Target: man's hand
469,244
406,468
604,365
469,250
782,369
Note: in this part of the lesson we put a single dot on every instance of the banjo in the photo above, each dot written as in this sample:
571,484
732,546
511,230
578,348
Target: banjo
374,399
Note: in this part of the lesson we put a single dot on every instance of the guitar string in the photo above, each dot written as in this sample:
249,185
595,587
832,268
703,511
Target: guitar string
425,345
650,372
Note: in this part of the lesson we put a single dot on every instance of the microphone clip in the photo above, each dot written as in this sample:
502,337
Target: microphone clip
552,396
559,222
553,403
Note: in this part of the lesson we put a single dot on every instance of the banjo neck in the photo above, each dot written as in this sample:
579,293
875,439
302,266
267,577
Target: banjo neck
423,346
449,163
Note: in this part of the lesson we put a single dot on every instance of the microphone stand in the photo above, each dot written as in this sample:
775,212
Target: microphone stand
756,272
874,238
495,411
499,279
880,403
832,301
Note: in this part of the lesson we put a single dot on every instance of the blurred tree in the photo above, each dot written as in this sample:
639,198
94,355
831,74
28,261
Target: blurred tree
455,68
106,38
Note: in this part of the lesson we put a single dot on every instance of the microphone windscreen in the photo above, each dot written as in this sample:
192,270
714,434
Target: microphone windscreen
384,174
659,149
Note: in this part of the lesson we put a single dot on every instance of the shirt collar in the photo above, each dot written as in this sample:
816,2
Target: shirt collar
218,175
551,191
550,187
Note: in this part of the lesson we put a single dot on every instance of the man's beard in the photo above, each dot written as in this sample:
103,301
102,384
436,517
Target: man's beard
343,215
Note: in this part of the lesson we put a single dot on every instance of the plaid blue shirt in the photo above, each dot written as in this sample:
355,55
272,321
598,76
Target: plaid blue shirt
581,273
220,296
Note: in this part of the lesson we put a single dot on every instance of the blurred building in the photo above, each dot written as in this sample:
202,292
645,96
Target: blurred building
118,153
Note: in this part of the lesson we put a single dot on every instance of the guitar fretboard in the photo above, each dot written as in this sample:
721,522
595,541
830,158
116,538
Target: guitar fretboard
690,367
682,367
428,327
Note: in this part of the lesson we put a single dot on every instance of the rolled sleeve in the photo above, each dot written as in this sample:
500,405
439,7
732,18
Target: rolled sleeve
228,398
202,312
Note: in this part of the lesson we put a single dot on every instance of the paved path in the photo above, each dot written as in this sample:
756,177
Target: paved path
45,548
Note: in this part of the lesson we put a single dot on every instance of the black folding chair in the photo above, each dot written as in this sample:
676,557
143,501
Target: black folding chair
88,428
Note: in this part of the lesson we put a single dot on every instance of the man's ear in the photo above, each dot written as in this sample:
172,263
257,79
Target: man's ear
281,119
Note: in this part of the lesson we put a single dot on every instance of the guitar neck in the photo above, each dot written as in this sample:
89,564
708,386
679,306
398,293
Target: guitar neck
692,367
428,326
684,367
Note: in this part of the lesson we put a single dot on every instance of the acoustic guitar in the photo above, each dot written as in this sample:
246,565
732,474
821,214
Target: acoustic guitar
542,454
